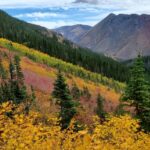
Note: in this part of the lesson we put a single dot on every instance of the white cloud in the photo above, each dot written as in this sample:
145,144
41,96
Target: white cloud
87,1
33,3
59,23
131,6
40,15
126,6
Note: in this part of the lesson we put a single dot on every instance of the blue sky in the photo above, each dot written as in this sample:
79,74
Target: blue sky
56,13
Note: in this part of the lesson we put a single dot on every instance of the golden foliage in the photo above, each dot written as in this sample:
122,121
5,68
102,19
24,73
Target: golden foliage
24,132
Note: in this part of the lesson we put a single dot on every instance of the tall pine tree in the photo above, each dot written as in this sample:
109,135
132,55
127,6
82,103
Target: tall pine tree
137,93
64,100
100,107
16,83
3,73
21,88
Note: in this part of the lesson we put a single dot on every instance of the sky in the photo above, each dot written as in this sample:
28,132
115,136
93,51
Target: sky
56,13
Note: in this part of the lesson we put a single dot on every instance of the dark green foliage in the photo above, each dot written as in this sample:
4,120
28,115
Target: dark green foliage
146,60
18,89
5,90
33,96
20,86
19,74
39,38
14,88
75,91
64,100
86,93
3,73
100,107
120,110
78,126
30,101
12,71
138,94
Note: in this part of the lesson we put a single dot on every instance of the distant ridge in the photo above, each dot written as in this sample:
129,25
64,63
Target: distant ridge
73,33
119,36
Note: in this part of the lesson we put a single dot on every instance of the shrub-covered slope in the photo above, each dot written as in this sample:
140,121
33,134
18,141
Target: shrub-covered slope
40,71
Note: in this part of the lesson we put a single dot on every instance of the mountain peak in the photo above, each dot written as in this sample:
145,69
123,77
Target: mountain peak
111,15
120,36
74,32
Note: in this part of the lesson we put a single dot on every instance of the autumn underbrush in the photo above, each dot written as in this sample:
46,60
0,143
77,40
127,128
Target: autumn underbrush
42,77
63,66
32,131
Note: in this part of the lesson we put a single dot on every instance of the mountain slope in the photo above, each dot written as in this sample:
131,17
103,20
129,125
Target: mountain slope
48,42
40,71
120,36
73,33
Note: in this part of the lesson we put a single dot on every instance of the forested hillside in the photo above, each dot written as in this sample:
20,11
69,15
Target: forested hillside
44,110
40,72
61,65
48,42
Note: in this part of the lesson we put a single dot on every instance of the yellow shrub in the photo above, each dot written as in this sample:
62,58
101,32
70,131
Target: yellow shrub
27,132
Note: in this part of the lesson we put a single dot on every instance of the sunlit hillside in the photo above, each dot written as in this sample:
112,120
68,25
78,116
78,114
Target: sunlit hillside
40,71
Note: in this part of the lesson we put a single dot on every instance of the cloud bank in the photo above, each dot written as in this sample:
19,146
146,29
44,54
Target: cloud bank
55,13
87,1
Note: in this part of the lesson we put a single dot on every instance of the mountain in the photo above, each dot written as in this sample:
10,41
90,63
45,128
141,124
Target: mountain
73,33
55,45
120,36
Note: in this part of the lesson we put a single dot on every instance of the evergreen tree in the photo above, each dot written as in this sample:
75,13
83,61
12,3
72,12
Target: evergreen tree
3,73
17,86
5,92
86,92
21,93
100,107
75,91
1,94
64,100
19,74
30,101
33,96
12,71
12,82
3,77
137,93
